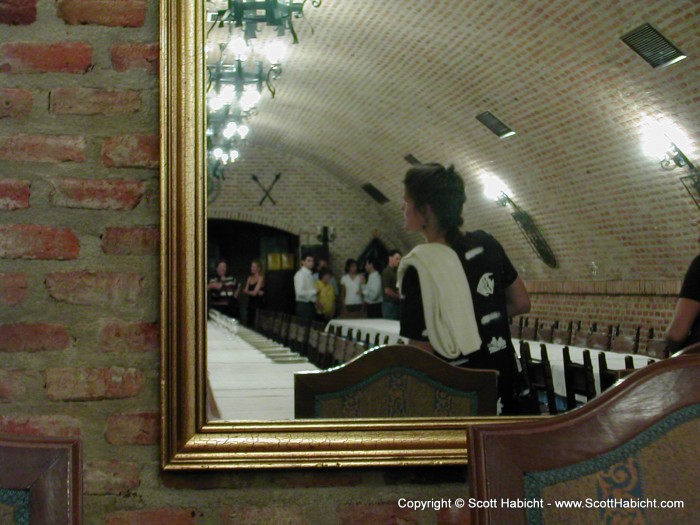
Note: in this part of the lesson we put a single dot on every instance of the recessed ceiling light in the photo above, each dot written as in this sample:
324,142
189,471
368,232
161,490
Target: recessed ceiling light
494,124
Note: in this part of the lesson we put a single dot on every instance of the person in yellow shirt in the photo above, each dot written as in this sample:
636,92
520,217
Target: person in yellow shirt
326,297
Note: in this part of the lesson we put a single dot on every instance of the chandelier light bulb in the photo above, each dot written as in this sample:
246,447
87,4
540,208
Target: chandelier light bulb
233,155
239,48
243,131
230,130
249,99
276,51
218,153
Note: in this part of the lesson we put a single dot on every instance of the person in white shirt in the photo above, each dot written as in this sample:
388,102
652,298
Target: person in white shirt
372,291
352,287
305,289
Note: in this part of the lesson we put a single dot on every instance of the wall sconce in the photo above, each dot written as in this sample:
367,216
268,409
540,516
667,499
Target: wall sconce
495,189
675,158
325,235
691,183
662,139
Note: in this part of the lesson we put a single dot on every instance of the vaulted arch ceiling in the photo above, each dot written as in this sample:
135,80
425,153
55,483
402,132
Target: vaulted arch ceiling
377,80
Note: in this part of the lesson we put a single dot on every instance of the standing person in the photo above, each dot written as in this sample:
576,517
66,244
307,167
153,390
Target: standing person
255,290
351,284
305,289
391,298
326,303
323,263
458,283
684,329
372,291
223,291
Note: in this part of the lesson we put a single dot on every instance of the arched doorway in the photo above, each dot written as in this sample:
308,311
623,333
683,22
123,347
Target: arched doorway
240,242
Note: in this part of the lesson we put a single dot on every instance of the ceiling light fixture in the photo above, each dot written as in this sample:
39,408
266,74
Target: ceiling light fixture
492,122
248,14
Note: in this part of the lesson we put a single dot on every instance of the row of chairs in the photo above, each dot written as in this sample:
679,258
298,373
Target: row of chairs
323,349
610,339
579,377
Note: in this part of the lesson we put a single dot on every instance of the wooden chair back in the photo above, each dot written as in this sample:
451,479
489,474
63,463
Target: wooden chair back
579,378
544,333
625,344
600,340
395,381
562,336
516,327
609,376
48,472
539,375
688,350
529,332
579,336
588,452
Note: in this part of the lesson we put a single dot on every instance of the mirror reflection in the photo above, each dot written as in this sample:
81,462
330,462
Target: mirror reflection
312,123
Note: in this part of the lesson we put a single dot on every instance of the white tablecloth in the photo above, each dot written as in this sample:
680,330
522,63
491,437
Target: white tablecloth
383,327
615,360
245,383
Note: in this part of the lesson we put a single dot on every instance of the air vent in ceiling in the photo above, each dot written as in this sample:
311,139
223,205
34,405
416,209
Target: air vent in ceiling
652,46
411,159
373,192
494,124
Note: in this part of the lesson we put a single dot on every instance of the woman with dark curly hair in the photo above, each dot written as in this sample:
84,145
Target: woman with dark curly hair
459,289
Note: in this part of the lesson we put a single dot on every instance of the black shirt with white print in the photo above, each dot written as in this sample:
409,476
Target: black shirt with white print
489,272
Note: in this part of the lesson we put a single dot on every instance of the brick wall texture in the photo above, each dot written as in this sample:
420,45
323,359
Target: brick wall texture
79,216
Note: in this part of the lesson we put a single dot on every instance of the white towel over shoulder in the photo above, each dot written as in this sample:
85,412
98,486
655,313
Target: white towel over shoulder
447,300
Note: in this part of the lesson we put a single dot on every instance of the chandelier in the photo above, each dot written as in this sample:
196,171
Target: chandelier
249,14
243,61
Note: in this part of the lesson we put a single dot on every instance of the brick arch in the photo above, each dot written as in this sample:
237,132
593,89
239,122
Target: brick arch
263,219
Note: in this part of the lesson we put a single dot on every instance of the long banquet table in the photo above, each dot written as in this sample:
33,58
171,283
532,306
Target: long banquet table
246,383
615,360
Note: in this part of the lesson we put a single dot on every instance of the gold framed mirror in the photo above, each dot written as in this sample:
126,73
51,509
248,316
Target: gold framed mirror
189,440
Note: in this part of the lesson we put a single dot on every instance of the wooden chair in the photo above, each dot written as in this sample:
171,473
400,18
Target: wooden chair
609,376
579,378
562,336
539,375
599,340
579,336
326,345
544,333
651,452
48,471
395,381
340,349
625,344
312,342
655,347
529,333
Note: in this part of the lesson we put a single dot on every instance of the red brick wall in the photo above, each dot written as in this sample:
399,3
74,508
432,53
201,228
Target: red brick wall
79,347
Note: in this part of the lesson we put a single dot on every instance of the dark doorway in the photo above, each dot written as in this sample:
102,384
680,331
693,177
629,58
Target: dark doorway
241,242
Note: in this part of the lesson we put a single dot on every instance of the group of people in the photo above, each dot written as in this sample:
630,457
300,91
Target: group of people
372,293
223,291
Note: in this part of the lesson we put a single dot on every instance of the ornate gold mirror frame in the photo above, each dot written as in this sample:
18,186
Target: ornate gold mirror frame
189,441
